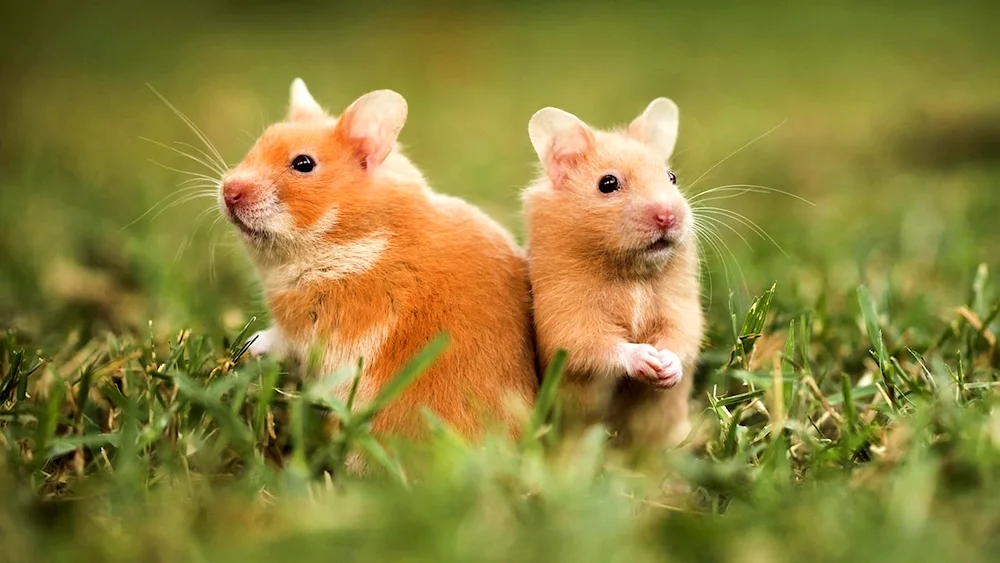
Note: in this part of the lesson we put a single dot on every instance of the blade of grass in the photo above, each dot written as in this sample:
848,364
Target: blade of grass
410,372
548,392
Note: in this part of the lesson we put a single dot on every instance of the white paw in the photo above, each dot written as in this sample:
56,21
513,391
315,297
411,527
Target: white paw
642,361
263,342
673,371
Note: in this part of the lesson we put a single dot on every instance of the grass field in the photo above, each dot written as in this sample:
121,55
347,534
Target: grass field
848,414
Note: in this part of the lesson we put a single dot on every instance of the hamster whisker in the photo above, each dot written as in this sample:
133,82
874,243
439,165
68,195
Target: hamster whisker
721,244
703,232
734,153
194,128
717,221
182,200
207,164
249,136
704,268
211,247
186,172
188,238
744,220
741,189
216,166
160,202
199,181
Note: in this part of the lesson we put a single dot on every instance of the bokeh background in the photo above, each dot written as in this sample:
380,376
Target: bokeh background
885,115
889,119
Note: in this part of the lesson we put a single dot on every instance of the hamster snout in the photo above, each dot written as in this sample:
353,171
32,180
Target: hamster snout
662,216
235,193
660,220
245,205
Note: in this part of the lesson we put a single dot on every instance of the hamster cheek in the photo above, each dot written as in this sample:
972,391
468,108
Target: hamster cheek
280,223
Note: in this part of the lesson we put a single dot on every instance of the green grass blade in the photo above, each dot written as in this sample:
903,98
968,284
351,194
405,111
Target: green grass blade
548,392
83,393
66,444
753,323
850,410
413,369
872,327
355,382
49,418
268,387
239,345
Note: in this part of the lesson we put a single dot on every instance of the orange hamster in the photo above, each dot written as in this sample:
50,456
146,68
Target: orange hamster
613,260
359,258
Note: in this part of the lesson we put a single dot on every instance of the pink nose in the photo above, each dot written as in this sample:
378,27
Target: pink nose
664,217
235,192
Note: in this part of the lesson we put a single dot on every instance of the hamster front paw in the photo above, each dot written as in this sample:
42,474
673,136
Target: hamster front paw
643,362
263,342
673,371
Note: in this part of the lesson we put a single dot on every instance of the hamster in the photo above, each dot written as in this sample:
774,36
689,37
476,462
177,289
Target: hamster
613,261
359,258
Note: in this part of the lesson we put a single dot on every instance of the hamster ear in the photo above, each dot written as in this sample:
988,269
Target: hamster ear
302,106
559,138
372,124
657,127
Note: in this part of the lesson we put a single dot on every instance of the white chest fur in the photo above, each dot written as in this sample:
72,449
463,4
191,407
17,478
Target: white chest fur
331,354
640,310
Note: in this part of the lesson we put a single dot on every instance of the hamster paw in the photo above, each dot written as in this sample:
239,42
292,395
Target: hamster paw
672,373
643,361
262,342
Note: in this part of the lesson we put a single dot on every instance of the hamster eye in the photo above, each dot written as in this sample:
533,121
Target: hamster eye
673,177
609,184
303,163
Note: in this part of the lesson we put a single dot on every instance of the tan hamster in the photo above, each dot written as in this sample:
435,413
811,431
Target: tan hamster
613,260
360,258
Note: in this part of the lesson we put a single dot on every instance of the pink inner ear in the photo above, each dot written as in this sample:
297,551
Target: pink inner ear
573,143
367,139
637,129
566,151
373,152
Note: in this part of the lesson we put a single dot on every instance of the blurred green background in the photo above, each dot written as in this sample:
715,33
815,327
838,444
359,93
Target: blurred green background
889,119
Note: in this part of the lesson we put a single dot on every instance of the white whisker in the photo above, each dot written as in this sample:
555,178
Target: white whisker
186,172
182,200
703,267
734,153
746,188
199,183
178,193
704,233
211,166
720,222
744,220
186,241
194,128
220,166
211,247
722,244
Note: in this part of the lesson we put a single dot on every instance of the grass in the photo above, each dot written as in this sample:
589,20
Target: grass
847,408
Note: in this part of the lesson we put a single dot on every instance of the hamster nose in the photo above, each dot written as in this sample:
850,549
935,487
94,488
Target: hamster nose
234,192
664,217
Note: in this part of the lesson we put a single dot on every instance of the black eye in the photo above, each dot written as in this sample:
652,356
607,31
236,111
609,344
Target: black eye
609,184
303,163
673,177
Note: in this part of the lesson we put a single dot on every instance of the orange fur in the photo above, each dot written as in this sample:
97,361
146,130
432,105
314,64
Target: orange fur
598,288
360,258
